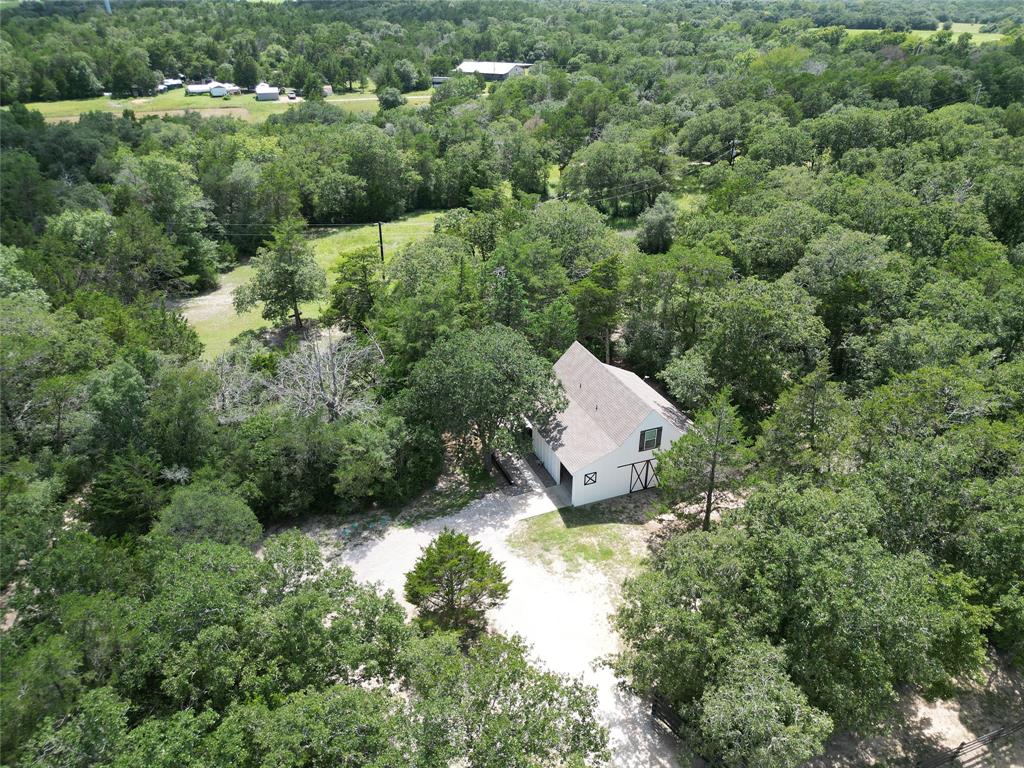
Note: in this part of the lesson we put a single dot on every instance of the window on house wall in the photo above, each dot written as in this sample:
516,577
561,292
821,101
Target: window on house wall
650,439
590,478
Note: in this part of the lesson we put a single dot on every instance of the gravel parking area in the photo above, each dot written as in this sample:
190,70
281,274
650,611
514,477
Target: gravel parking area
563,615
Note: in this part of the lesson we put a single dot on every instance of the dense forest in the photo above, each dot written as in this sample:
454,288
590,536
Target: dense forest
812,239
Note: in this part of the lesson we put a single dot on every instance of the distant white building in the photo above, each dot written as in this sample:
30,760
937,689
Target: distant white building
213,89
602,445
266,92
169,83
198,89
493,70
220,90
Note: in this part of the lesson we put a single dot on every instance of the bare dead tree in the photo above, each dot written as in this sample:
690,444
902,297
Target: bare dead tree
241,388
331,376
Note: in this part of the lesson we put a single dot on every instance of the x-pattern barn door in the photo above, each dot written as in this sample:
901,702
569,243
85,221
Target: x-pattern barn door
642,475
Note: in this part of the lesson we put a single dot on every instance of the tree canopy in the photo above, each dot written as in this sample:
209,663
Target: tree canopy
803,219
454,583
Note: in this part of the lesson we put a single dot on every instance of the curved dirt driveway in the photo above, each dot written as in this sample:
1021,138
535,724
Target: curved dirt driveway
563,617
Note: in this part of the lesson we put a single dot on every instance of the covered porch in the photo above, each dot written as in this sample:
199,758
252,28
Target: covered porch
560,492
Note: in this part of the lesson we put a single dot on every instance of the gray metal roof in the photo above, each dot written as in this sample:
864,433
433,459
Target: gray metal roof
487,67
606,405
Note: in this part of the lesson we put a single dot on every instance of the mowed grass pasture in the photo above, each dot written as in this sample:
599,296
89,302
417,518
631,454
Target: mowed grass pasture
213,316
978,37
244,107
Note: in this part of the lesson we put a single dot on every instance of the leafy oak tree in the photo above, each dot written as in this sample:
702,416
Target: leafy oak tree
208,511
597,298
286,275
658,225
846,622
755,715
489,379
809,432
491,708
759,335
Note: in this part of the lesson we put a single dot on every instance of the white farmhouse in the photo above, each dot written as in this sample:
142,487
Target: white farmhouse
602,444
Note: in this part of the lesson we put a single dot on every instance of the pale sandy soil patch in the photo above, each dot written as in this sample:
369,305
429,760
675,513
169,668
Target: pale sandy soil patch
564,617
920,729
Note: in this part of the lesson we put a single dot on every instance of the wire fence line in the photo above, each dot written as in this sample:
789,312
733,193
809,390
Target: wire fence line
969,754
972,754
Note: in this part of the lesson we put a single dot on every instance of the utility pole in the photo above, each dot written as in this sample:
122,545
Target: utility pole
106,7
732,150
380,239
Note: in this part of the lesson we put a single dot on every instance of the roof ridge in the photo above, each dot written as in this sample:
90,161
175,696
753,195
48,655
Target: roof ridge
606,404
613,406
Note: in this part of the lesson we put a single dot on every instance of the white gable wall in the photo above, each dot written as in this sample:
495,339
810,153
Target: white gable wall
612,477
547,456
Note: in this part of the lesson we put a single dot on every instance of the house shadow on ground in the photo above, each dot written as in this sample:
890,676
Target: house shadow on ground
633,509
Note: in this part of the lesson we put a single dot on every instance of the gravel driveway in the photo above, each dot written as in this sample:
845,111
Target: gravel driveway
564,617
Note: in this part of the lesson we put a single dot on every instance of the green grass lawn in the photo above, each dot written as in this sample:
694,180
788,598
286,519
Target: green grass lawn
554,177
367,102
244,107
688,202
958,27
217,323
599,535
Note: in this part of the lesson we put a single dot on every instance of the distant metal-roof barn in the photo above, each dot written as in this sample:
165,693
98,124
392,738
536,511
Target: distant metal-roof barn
493,70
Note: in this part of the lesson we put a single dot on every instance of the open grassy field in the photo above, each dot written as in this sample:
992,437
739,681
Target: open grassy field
958,27
217,323
367,102
244,107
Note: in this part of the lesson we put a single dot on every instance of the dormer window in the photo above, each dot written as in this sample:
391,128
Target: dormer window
650,439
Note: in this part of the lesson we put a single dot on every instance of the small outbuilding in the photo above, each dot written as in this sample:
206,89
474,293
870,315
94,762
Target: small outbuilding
602,445
198,89
493,70
266,92
220,90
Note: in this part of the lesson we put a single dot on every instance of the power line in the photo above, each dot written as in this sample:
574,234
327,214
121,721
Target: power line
650,185
569,196
315,225
711,156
